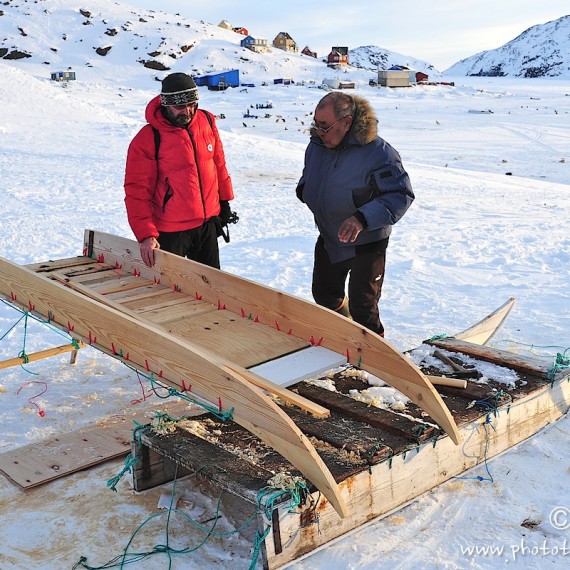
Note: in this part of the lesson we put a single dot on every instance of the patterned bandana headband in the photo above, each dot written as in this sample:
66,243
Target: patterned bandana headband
185,97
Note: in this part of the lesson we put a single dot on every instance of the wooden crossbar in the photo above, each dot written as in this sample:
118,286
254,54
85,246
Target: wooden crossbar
47,353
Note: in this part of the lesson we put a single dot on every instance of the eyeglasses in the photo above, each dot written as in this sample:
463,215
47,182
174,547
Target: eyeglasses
183,107
325,130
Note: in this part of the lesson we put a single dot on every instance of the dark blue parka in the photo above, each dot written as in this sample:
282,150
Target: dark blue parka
365,174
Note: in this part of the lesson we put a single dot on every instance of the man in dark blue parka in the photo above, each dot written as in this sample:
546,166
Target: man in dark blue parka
355,185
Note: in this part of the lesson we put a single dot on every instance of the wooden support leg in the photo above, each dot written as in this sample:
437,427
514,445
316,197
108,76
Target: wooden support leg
41,354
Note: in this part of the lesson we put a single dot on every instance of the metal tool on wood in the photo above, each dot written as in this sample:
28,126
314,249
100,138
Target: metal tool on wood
458,370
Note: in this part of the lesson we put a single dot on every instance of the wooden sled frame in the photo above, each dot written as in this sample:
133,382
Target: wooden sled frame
362,347
173,360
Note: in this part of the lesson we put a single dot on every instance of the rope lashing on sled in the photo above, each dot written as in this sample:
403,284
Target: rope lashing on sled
155,386
490,404
562,362
22,354
438,337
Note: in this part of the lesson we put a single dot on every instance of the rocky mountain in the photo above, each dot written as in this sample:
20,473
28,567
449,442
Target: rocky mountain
540,51
373,58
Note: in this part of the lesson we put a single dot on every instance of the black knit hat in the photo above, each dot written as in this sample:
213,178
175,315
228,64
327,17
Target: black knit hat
178,89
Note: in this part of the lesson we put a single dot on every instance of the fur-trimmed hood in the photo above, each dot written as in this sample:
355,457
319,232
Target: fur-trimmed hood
364,128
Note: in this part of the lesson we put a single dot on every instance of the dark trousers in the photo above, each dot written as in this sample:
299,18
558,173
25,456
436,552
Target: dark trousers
199,244
366,275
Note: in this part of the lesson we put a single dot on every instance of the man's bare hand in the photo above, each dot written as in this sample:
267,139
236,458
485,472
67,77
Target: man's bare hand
349,230
148,246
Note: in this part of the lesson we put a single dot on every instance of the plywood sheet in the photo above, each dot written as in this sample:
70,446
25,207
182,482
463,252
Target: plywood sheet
38,463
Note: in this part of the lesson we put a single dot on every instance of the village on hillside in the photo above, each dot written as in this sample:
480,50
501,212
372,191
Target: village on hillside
338,57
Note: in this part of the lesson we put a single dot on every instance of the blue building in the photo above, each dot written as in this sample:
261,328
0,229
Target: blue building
219,81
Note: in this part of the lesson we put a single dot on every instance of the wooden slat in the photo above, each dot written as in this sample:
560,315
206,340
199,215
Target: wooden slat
345,433
377,417
305,320
59,264
173,311
143,292
227,470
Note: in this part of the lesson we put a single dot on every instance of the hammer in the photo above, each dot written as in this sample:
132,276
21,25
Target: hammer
457,369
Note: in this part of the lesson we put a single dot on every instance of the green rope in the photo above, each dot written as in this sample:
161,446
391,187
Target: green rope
127,557
129,462
222,416
562,362
257,542
13,326
437,337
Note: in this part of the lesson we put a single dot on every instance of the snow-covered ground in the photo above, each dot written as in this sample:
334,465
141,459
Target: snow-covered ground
490,221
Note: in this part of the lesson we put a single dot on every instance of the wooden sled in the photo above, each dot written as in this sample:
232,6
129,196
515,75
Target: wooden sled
199,329
381,458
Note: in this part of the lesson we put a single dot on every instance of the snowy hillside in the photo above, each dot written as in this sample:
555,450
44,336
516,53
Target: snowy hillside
118,41
373,58
540,51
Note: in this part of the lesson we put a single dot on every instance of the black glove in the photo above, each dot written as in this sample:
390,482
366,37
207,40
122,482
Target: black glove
226,215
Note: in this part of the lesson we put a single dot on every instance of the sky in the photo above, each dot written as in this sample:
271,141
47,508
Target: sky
440,32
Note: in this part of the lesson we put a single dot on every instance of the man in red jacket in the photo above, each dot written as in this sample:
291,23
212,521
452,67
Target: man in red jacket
177,187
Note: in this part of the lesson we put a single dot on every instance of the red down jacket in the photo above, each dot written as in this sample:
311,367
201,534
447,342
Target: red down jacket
184,187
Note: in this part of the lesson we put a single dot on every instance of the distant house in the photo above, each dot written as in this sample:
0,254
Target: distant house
226,25
220,80
63,76
283,81
240,30
254,44
338,57
307,51
394,77
421,76
285,42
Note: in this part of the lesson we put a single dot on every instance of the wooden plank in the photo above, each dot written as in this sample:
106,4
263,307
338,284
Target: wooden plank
235,338
171,359
143,292
345,433
225,469
160,300
483,331
175,311
59,264
521,363
35,464
302,318
376,417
